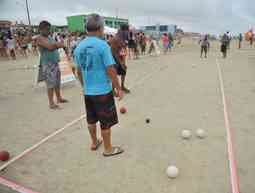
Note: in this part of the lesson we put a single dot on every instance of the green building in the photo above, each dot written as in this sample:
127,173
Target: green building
77,23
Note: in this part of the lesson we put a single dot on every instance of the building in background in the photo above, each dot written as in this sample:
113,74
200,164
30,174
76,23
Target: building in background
158,30
77,23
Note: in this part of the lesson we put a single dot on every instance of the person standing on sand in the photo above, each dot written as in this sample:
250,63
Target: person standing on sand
240,40
224,45
11,45
97,74
165,41
205,45
131,44
119,46
24,45
143,44
251,38
49,70
171,41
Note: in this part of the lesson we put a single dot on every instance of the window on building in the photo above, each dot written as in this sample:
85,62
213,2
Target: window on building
151,28
163,28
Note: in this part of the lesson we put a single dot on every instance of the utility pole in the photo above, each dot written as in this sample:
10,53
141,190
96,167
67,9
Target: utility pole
117,12
28,15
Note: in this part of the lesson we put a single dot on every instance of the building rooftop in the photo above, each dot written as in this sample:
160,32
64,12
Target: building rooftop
106,17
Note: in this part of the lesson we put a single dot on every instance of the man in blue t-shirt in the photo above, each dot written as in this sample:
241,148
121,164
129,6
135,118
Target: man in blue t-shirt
98,77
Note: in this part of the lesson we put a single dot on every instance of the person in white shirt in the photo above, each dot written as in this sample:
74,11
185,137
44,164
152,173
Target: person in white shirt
11,45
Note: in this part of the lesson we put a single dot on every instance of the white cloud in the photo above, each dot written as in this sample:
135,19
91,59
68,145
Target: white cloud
213,16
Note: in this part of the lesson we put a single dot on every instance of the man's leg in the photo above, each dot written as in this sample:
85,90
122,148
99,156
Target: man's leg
50,92
93,134
106,135
225,54
123,78
60,99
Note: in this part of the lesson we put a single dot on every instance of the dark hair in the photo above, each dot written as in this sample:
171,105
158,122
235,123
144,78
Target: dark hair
44,24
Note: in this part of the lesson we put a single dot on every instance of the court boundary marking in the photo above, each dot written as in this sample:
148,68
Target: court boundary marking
234,178
15,186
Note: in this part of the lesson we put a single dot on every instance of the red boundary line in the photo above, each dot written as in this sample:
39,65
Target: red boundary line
43,141
15,186
235,183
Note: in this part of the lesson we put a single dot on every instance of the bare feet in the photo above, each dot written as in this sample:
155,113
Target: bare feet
96,145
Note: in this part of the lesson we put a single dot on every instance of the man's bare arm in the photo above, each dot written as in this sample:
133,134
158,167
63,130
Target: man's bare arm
79,74
113,75
43,42
115,81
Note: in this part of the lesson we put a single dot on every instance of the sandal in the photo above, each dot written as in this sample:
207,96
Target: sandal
126,90
115,151
98,144
54,107
63,101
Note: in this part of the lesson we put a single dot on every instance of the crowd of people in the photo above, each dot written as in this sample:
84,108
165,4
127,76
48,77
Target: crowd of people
23,43
18,43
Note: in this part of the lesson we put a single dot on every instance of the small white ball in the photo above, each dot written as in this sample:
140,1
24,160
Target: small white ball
200,133
186,134
172,172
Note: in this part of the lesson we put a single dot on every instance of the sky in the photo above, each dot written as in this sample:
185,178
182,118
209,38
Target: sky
204,16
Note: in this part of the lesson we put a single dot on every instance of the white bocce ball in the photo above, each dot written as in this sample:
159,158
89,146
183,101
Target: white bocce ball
200,133
186,134
172,172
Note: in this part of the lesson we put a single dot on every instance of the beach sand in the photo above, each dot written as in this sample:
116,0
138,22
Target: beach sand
176,91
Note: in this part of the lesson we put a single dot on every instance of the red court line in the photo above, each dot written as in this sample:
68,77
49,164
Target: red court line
29,150
15,186
235,184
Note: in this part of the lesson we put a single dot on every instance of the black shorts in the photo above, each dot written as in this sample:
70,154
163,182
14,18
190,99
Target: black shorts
223,48
131,44
24,47
120,70
203,48
101,108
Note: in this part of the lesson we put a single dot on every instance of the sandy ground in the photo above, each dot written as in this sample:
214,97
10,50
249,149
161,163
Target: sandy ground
176,91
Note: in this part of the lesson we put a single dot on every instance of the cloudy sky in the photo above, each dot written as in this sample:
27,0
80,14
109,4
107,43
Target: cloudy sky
206,16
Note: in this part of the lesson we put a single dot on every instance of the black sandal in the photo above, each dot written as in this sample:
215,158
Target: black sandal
115,151
63,101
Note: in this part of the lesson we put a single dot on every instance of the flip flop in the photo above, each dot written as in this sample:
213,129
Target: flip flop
63,101
126,90
54,107
115,151
98,144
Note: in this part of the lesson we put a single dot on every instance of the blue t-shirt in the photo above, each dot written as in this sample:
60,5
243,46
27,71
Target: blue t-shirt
93,56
